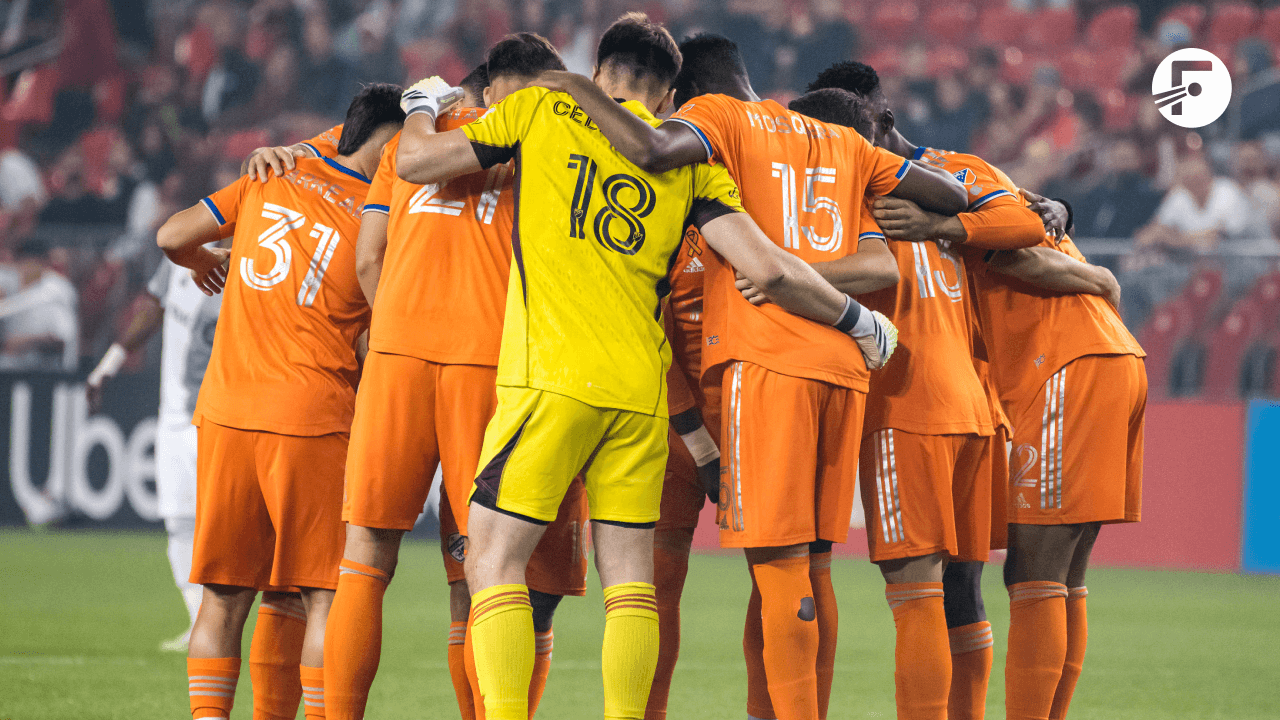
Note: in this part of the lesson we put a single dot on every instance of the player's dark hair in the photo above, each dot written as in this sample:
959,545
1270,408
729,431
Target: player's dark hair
835,106
476,81
645,50
711,62
858,78
523,54
376,104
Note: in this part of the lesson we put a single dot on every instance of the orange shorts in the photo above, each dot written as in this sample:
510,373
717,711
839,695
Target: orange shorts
412,415
268,509
1077,445
926,494
789,458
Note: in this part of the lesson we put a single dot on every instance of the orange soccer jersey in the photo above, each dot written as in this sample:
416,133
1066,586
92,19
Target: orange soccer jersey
443,289
326,143
803,181
284,357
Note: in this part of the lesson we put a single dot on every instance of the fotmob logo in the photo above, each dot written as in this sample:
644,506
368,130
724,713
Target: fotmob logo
1192,87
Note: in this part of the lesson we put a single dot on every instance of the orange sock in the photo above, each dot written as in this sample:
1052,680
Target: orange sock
758,703
458,670
670,566
353,639
312,692
788,619
211,683
1077,639
972,651
543,644
824,597
922,653
274,657
469,664
1037,648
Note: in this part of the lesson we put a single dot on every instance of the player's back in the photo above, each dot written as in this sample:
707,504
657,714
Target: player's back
931,387
593,240
284,353
442,291
803,182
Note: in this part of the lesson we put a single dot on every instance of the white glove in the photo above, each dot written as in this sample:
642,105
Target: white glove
431,95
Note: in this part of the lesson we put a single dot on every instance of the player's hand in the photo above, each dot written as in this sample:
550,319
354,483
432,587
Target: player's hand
211,273
555,80
753,294
278,159
430,95
904,220
1052,213
709,476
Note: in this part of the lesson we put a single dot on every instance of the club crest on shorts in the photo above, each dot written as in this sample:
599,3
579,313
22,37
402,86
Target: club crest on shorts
456,544
1192,87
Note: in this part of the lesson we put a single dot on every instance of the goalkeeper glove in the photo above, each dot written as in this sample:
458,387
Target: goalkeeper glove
431,95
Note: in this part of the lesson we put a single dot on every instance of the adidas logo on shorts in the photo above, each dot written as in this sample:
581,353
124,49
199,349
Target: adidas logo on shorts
1022,504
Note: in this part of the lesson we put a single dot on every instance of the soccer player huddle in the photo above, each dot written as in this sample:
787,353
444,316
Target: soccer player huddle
583,313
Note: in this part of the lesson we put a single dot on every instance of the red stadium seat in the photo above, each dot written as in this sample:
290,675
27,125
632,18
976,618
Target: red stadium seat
1250,318
895,21
1271,25
244,142
1120,110
947,59
1003,26
31,100
1174,322
1190,14
1232,23
887,60
1113,27
952,24
1097,70
1051,28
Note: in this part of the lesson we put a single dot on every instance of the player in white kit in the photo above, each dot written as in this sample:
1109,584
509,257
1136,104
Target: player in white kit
188,317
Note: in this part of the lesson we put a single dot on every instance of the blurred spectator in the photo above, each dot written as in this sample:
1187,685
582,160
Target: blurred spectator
38,312
1255,172
234,78
954,116
1119,201
1258,89
21,186
821,35
328,81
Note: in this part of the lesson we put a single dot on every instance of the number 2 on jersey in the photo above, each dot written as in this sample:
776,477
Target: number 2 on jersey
275,239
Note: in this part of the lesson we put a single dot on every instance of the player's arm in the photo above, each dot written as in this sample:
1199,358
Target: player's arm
654,150
426,156
932,188
1002,226
146,321
1056,271
371,248
184,239
689,426
872,268
1055,213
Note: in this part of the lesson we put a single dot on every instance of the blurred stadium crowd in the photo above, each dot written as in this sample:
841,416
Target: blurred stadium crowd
116,113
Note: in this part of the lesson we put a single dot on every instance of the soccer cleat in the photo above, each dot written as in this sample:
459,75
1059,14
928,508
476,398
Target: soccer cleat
878,347
178,644
430,95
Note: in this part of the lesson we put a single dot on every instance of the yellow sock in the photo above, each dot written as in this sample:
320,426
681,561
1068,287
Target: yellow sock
502,639
630,653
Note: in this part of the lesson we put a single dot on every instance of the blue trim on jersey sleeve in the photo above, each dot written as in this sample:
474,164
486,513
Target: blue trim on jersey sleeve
312,148
920,151
987,198
370,207
706,143
870,236
346,170
902,171
214,209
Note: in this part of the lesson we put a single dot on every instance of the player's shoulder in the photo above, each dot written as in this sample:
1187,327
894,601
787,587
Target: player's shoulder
455,118
983,181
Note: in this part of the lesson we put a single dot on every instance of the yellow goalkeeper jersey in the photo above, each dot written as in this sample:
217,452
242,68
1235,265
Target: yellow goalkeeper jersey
593,240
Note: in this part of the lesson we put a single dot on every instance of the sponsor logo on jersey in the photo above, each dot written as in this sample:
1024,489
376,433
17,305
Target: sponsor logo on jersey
1191,87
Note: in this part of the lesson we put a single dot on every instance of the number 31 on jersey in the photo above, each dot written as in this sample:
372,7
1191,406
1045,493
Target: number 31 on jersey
275,239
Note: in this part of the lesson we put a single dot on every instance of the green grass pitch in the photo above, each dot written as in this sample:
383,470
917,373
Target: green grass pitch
81,615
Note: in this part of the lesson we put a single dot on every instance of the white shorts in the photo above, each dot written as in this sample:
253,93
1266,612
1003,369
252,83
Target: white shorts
176,469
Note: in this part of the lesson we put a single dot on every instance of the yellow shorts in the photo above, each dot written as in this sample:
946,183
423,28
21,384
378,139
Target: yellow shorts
539,441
